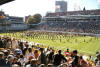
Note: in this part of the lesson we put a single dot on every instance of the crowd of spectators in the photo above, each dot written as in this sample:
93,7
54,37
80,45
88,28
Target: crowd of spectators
84,27
88,25
18,53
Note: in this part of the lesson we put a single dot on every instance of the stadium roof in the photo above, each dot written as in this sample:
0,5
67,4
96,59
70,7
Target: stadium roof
5,1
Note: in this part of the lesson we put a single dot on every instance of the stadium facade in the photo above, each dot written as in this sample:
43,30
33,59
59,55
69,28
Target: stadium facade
86,21
11,23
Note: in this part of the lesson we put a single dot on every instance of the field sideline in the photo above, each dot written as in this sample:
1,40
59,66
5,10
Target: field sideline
84,44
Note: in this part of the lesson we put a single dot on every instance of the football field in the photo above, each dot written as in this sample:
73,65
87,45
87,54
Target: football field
84,44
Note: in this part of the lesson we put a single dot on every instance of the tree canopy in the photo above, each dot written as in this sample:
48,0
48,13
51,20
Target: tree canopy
35,19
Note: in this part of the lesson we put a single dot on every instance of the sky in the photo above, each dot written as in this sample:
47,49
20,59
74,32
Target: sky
23,8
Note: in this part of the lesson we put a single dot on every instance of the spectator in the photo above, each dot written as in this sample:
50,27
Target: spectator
58,58
42,58
21,45
25,49
30,52
33,63
29,60
15,61
10,59
82,62
98,61
4,42
14,44
2,61
15,65
75,59
1,43
67,53
22,60
5,54
16,51
8,45
36,54
51,57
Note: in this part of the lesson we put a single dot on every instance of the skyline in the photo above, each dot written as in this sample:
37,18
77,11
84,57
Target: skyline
25,7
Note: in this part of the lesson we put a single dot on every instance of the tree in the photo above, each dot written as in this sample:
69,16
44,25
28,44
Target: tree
31,20
37,17
34,19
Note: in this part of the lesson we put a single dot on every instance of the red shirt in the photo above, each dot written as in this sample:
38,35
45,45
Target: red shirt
67,53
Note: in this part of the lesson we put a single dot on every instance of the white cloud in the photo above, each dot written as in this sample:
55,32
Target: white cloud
27,7
99,1
30,7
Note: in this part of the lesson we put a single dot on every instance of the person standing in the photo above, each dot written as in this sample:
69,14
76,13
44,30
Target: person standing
1,43
58,59
75,59
51,56
67,53
14,44
42,58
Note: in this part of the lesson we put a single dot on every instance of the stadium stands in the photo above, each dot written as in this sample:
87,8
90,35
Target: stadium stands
73,21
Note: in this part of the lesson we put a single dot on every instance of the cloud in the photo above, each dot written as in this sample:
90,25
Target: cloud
99,1
28,7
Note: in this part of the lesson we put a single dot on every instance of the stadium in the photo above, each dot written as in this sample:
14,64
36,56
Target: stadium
61,39
86,21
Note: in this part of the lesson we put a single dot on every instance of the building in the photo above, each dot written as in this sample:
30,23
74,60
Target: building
82,12
87,21
60,6
11,23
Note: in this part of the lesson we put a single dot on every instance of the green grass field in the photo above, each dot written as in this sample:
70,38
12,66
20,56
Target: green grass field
85,45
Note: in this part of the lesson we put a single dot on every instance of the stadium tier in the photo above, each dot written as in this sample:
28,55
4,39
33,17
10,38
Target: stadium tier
73,21
11,23
82,12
